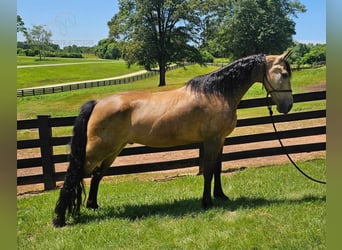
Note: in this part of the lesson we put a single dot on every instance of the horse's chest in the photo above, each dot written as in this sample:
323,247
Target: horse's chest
219,123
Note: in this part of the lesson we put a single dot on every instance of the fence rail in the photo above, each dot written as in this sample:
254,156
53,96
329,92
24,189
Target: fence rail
46,142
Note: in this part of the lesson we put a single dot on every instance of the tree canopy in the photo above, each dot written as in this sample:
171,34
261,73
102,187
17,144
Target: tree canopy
108,48
308,54
39,37
157,32
244,27
21,25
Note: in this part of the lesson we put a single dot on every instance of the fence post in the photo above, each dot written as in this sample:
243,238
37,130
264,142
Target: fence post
46,150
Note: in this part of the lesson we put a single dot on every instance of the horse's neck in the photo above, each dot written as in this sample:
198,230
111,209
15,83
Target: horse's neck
240,88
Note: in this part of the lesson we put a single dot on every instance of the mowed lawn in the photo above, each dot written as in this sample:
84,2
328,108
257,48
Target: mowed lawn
72,71
270,208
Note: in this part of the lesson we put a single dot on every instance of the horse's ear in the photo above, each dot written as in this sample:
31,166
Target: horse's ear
286,55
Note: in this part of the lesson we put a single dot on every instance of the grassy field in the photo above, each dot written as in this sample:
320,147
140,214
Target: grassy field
33,60
88,70
270,208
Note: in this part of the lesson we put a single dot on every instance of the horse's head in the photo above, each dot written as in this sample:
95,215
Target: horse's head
277,81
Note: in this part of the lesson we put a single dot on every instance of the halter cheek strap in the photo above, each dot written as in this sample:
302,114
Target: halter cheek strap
272,88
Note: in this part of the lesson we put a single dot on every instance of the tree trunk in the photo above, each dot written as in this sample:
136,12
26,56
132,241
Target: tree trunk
162,71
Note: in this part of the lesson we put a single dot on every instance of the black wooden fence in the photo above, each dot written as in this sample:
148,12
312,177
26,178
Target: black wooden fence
48,159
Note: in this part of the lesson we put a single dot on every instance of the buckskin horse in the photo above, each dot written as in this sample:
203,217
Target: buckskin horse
203,110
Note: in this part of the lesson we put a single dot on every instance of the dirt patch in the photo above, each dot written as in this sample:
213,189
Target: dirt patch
317,87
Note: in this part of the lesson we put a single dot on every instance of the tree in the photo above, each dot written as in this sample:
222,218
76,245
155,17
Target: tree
39,38
298,51
309,53
317,54
21,25
255,26
108,49
157,32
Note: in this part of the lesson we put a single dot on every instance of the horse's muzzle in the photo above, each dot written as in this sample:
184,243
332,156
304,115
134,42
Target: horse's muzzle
284,108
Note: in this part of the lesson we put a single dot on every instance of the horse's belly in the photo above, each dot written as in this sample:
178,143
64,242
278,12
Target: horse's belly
167,136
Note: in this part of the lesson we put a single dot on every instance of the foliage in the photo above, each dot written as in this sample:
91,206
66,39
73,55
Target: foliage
21,25
74,49
107,49
270,208
157,32
39,37
248,27
308,54
316,54
51,50
207,57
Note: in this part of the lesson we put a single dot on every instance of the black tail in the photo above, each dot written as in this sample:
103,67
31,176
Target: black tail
71,194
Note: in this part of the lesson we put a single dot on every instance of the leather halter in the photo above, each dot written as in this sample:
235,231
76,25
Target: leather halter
272,88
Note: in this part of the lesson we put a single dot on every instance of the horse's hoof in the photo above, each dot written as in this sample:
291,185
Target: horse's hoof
92,205
58,222
221,197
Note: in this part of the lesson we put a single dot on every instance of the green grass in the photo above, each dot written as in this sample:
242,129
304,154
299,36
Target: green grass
270,208
34,60
40,76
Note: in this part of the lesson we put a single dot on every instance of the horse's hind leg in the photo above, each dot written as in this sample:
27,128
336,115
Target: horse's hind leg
94,185
97,175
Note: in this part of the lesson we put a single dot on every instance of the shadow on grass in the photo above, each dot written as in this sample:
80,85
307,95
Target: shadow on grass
186,207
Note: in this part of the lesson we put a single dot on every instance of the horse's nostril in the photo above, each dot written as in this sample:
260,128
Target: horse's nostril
284,108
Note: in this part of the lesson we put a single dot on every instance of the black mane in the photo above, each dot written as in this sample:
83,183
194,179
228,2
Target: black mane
228,78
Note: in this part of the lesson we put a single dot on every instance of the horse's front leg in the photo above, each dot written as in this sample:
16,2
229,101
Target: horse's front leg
218,191
207,163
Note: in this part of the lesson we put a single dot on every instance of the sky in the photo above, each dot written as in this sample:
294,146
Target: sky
84,23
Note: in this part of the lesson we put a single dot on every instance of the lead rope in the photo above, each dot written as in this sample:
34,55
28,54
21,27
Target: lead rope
269,106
